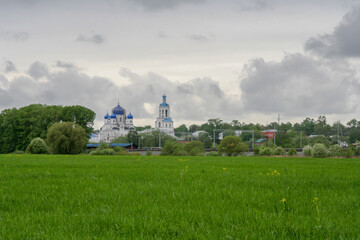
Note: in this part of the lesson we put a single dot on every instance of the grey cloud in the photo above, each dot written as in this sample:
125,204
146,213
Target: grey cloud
14,36
66,65
161,4
95,38
38,70
198,37
343,42
4,83
10,67
298,85
196,99
253,5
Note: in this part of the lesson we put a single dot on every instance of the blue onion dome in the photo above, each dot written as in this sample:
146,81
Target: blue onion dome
106,116
130,116
118,110
113,116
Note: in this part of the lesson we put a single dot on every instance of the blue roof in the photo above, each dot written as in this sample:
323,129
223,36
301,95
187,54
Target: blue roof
113,116
118,110
164,104
167,120
130,116
106,116
95,145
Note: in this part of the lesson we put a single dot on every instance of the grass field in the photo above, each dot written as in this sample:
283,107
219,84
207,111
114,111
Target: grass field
138,197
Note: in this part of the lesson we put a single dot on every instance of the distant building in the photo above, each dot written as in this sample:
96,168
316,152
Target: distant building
269,133
164,122
116,125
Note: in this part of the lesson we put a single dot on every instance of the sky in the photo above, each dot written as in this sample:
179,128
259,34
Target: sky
246,60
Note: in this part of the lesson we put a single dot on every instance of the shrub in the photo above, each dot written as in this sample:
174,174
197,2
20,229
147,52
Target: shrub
103,146
257,150
319,151
279,151
173,149
266,151
18,152
94,152
212,154
232,146
107,151
66,138
348,153
335,150
307,150
120,151
194,148
148,153
292,152
37,146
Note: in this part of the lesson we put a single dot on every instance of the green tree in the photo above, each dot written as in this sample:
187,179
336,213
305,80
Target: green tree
232,146
194,148
37,146
66,138
133,137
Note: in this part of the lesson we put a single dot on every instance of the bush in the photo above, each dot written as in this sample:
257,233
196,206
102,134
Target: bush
319,151
173,149
37,146
232,146
148,153
107,151
348,153
266,151
257,150
212,154
307,150
18,152
335,150
103,146
279,151
66,138
292,152
94,152
120,151
194,148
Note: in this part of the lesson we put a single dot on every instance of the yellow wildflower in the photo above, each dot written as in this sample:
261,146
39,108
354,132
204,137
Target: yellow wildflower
283,200
315,199
224,169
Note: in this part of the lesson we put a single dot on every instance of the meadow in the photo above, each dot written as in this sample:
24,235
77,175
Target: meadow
153,197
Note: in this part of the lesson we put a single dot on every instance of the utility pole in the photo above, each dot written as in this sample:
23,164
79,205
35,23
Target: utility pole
253,139
159,140
338,133
300,139
274,135
214,137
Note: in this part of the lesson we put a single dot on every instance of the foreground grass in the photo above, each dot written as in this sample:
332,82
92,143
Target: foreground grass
138,197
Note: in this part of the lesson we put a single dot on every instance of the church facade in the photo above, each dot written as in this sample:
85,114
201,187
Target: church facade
164,122
117,124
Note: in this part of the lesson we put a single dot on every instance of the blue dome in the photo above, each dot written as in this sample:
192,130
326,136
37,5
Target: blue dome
113,116
130,116
106,116
118,110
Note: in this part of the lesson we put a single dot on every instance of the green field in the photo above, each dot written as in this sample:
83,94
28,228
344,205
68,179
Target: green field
138,197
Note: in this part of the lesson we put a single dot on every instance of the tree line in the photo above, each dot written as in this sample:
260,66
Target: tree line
19,126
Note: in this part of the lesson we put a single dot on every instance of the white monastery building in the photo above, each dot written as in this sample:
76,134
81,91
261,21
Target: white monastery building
116,125
119,124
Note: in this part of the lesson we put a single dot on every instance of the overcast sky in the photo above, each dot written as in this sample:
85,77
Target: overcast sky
233,59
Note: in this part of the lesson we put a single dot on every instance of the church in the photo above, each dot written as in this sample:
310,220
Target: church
118,124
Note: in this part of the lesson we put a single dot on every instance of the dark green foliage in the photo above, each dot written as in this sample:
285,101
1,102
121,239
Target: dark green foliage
132,137
19,126
257,150
194,148
151,139
232,146
123,139
279,151
66,138
173,149
348,153
319,139
107,151
319,151
266,151
148,153
292,152
37,146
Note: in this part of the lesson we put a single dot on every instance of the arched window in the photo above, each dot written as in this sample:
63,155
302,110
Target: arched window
165,125
159,124
165,113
